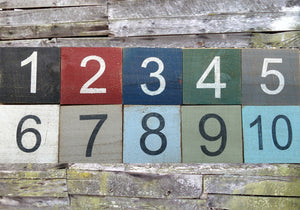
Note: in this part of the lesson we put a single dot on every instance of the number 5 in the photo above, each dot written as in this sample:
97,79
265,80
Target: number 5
265,72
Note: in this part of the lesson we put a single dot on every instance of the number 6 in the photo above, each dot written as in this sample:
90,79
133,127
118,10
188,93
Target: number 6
265,72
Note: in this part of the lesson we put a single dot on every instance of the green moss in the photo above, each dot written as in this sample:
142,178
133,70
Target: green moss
278,40
103,183
266,203
272,187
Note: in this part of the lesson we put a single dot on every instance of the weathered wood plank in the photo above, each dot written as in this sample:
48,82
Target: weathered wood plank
251,202
57,22
31,167
93,202
34,203
51,174
245,185
290,170
134,184
277,40
230,40
7,4
157,17
33,188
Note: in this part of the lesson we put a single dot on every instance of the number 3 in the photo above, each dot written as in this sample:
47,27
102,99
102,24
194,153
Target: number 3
162,81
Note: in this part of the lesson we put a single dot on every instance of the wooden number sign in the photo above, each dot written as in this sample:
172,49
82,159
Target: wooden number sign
271,134
152,76
91,75
151,134
91,133
271,77
30,75
211,76
29,133
211,134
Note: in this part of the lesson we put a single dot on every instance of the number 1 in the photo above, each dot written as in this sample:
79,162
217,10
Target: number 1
33,60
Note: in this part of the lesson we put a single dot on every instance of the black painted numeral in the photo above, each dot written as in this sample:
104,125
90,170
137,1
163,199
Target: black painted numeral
20,134
274,136
153,131
222,134
101,118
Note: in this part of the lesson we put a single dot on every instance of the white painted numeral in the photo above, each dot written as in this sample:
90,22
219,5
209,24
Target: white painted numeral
265,72
33,60
217,85
162,81
85,88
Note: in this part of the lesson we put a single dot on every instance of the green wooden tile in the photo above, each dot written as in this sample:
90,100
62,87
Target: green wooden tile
211,134
211,76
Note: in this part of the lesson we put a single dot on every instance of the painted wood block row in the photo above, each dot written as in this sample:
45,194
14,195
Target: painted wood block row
149,134
149,76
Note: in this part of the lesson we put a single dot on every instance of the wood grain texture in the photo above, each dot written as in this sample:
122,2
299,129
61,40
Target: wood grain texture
94,202
160,17
33,203
225,40
289,170
246,185
7,4
33,188
134,184
54,22
251,202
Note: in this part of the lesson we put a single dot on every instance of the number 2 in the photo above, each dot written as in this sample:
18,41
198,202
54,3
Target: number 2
86,87
157,74
33,60
217,85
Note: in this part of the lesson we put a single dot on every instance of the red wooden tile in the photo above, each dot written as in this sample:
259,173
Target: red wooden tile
91,75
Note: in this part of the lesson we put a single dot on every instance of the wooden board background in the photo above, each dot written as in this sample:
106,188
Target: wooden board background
153,23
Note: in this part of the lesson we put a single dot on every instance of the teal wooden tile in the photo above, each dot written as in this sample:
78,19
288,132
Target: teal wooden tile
211,76
271,134
211,134
151,134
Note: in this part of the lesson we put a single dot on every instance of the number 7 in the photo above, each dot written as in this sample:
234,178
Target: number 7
101,118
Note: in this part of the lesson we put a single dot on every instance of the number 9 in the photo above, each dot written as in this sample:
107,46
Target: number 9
222,134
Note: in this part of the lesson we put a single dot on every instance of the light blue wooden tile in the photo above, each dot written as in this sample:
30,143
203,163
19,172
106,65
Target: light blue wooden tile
279,141
161,141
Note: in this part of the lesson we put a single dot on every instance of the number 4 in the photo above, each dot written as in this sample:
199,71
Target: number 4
217,85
